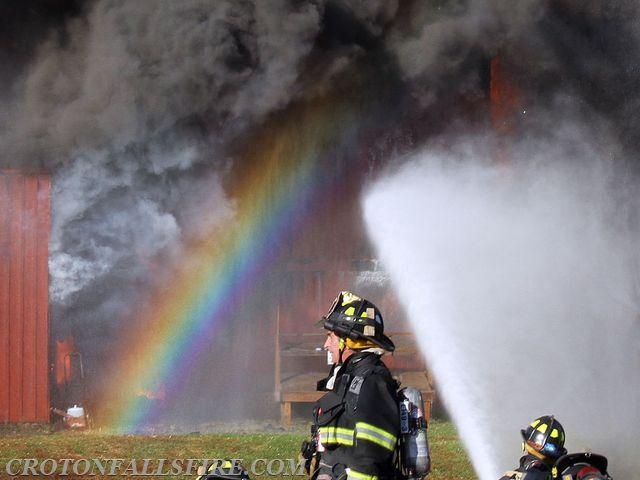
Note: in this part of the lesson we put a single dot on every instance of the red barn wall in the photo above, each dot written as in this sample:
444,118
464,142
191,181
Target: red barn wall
24,301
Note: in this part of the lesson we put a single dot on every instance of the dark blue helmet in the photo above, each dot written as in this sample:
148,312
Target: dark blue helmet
545,435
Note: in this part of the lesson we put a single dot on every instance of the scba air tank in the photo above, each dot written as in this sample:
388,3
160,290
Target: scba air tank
414,444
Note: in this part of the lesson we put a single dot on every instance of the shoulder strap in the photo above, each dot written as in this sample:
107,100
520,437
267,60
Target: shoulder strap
341,390
332,403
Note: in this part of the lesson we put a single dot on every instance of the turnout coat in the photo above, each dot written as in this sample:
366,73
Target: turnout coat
529,468
358,420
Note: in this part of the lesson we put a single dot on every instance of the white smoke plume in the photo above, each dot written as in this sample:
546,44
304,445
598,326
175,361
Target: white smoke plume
521,284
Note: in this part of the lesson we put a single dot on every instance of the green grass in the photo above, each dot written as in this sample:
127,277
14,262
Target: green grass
449,461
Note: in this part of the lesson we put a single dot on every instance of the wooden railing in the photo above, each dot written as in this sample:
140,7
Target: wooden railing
300,362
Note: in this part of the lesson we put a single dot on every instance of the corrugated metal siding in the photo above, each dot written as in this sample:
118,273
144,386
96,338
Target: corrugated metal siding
24,301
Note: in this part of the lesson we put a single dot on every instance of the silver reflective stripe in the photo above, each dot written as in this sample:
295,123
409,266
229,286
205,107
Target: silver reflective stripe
341,436
376,435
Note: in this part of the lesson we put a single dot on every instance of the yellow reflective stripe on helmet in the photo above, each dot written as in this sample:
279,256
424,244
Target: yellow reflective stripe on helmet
336,435
355,475
554,433
376,435
350,311
542,428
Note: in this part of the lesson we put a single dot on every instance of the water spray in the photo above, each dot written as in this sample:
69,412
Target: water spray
519,287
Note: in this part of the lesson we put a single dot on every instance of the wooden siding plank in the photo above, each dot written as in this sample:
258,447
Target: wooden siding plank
42,298
15,301
4,296
29,233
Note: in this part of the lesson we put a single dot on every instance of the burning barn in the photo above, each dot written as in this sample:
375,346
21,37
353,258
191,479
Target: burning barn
219,170
325,249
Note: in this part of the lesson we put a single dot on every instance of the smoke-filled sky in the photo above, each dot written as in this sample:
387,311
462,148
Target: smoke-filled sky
139,109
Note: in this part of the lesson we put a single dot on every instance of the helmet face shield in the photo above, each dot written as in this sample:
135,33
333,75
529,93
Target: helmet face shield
336,302
549,449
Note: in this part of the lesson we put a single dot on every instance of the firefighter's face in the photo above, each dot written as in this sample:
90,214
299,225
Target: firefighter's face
332,344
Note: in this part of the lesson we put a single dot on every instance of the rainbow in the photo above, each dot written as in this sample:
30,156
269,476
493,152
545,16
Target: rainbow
228,264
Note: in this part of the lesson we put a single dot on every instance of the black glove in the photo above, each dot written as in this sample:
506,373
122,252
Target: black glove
307,449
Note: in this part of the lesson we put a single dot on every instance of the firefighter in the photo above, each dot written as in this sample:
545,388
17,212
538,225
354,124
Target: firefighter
543,444
581,466
356,423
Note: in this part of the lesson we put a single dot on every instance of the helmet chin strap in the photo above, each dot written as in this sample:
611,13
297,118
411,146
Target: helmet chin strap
532,451
341,346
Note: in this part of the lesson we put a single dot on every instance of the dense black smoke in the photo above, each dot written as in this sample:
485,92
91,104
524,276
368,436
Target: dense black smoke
135,107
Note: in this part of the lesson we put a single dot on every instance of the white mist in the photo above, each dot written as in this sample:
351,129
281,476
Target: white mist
521,284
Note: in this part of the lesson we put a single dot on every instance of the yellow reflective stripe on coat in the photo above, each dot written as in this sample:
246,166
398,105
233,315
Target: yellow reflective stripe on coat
355,475
376,435
336,435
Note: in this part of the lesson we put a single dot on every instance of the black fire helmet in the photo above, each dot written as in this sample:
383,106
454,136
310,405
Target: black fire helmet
356,318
